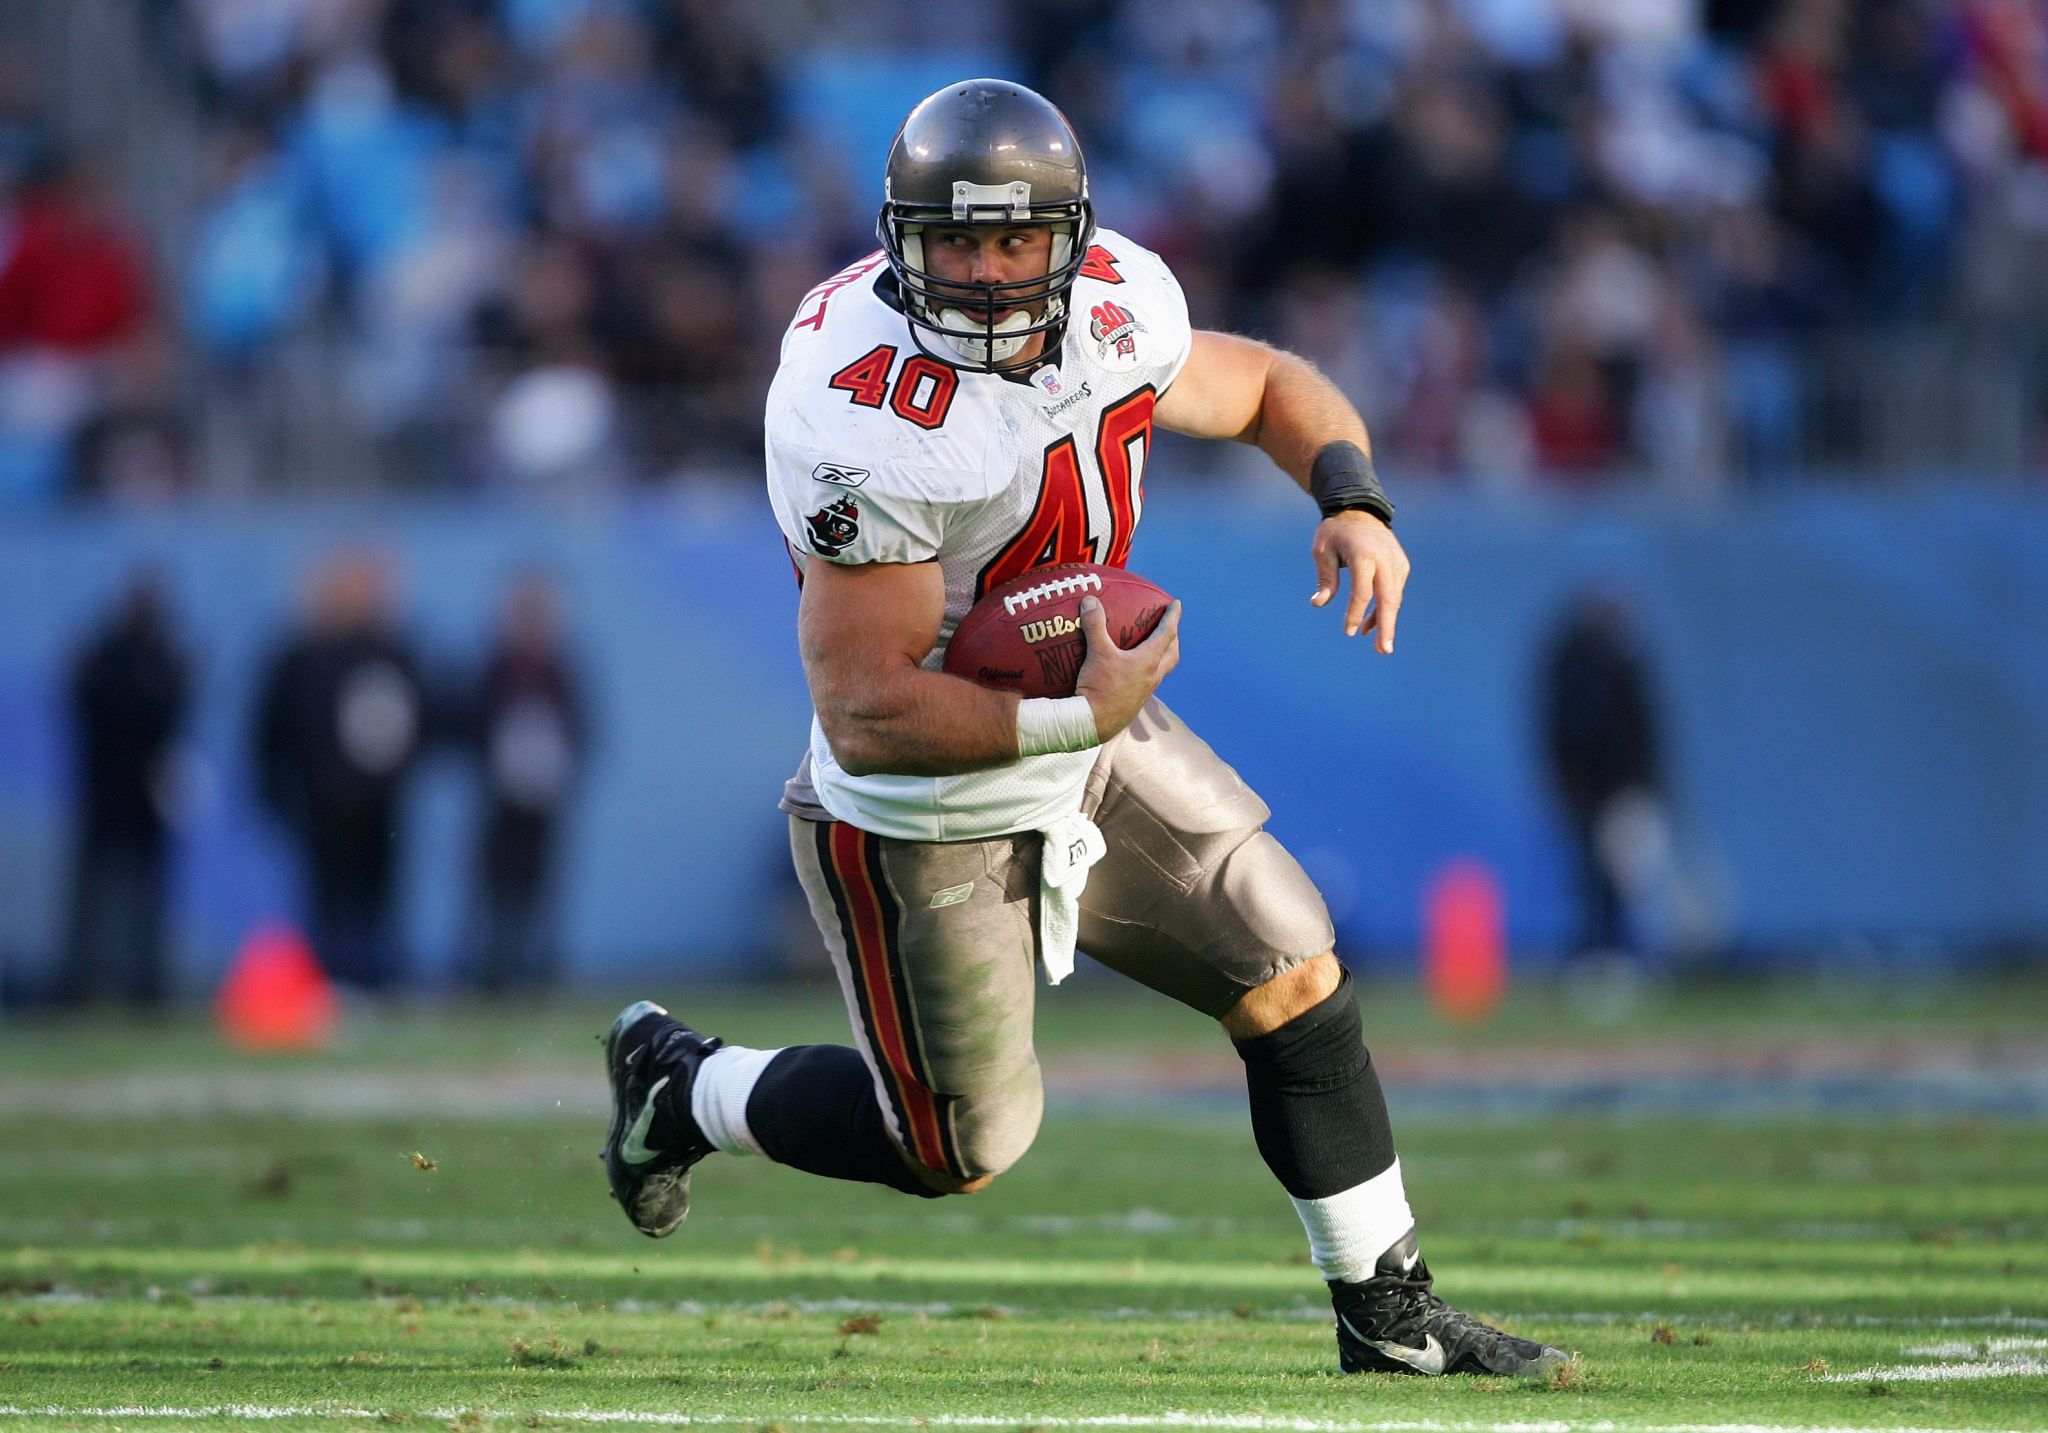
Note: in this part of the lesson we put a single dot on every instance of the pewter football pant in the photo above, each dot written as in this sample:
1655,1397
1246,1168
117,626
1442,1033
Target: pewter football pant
935,943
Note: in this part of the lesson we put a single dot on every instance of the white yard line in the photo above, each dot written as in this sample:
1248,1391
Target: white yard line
1140,1221
1963,1363
1942,1372
1649,1074
146,1163
1990,1348
198,1293
1250,1423
66,1230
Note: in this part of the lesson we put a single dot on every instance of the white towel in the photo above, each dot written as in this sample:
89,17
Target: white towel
1072,844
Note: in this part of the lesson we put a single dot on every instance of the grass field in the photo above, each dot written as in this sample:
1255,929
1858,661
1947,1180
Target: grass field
193,1238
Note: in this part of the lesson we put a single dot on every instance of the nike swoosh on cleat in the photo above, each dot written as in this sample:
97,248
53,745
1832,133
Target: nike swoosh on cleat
633,1148
1427,1359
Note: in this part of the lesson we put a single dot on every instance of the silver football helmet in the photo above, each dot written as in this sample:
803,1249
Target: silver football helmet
985,152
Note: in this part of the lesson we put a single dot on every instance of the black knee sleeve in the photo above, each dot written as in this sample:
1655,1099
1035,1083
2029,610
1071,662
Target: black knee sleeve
814,1109
1317,1111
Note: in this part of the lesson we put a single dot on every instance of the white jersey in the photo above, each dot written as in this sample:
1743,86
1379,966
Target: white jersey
878,452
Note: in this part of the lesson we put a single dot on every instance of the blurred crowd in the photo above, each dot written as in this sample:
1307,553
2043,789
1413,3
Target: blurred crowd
1539,240
343,714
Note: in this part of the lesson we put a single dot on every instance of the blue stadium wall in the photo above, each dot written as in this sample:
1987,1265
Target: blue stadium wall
1855,691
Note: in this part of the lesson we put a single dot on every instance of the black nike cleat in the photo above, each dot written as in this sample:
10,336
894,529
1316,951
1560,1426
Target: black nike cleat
1392,1323
652,1061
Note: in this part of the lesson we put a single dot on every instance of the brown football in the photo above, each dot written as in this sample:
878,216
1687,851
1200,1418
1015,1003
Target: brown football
1025,636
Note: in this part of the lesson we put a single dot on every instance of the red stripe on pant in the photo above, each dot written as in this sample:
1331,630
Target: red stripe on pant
871,960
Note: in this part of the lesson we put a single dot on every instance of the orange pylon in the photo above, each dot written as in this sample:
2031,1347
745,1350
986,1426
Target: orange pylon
1464,944
275,995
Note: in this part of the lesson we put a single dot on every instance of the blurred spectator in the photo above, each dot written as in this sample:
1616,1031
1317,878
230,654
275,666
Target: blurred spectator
339,719
1599,732
531,733
137,455
252,276
130,688
1760,289
72,294
1574,417
1677,421
24,139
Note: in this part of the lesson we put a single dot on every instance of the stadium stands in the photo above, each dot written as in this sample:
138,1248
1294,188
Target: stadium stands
447,242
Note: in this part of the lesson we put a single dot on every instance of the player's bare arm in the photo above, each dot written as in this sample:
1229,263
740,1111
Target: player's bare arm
1241,389
864,628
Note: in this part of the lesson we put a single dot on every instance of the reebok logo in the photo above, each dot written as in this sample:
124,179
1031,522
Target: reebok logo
840,473
633,1148
1427,1359
952,896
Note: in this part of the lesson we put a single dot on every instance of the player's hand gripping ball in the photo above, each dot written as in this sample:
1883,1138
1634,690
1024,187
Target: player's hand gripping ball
1025,636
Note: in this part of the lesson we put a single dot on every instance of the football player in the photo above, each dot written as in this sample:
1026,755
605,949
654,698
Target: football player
972,402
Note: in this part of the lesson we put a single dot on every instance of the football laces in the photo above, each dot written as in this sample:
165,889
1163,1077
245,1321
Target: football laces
1046,591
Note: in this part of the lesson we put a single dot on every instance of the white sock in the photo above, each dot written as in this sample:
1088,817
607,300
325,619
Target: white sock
718,1100
1348,1232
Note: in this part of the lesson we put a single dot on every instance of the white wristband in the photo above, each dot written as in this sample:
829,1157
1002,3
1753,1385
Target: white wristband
1049,724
